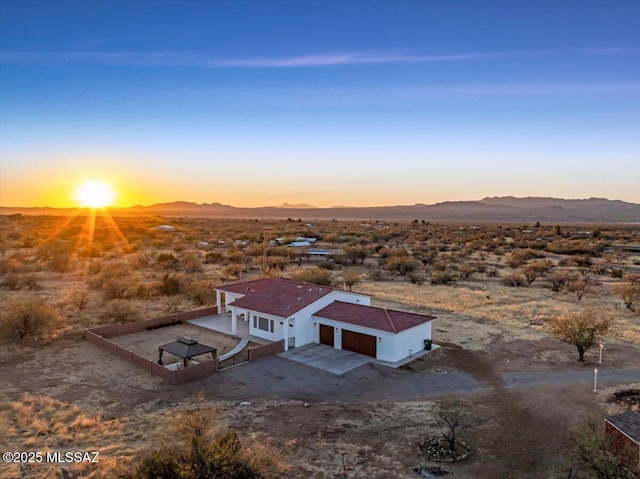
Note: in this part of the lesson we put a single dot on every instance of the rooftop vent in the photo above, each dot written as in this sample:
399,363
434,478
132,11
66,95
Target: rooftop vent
185,340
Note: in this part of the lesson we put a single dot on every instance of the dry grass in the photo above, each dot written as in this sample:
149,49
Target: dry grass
522,312
42,424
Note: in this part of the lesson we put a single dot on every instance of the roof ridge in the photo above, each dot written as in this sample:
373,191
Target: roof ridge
393,326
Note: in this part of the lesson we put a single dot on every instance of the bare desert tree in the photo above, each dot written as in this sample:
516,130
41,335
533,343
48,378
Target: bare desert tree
582,328
28,319
581,285
628,292
454,418
559,280
80,299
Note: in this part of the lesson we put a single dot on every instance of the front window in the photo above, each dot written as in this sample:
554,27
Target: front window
263,324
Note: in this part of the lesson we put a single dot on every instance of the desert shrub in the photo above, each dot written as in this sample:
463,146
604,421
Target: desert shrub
122,311
329,265
214,257
628,292
279,262
597,451
314,275
80,299
400,263
198,453
12,282
350,278
616,273
443,277
521,256
59,262
169,285
172,304
417,277
31,281
202,293
582,261
559,280
233,270
376,274
466,270
191,263
534,270
515,279
28,319
633,278
119,288
167,261
599,268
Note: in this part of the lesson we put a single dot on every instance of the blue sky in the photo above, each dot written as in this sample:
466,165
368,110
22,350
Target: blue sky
326,103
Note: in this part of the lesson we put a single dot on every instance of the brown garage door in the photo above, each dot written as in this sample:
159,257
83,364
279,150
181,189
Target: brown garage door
359,343
326,335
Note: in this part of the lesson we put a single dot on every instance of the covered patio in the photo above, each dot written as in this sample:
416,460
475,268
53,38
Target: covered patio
223,323
186,349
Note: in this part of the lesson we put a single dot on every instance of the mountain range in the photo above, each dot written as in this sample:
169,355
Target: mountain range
490,209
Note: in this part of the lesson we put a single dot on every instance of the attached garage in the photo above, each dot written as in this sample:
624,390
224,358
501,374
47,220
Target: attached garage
326,335
384,334
359,343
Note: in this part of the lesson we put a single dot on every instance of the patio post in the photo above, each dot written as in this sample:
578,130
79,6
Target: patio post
218,301
234,322
285,333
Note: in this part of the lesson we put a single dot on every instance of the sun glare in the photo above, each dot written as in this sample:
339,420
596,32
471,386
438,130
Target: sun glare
94,194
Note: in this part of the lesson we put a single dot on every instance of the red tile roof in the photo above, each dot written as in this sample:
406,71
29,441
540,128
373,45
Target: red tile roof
278,296
388,320
246,286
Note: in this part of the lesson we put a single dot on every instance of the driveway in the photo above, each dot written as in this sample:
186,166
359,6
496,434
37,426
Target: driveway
321,356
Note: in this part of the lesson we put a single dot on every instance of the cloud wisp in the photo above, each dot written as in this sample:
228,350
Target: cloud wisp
193,59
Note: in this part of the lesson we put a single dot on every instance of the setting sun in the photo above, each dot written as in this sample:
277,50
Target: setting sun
94,194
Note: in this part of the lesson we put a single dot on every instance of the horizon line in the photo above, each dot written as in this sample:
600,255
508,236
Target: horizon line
313,207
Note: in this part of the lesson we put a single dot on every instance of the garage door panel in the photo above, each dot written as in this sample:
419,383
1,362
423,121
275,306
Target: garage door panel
326,335
359,343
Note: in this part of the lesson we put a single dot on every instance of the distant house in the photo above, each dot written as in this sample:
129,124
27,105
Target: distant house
624,431
303,313
299,244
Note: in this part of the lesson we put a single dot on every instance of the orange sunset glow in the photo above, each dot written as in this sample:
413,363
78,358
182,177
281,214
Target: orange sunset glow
94,194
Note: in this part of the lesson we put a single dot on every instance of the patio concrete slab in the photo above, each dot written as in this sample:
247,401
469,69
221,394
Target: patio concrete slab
222,324
339,361
321,356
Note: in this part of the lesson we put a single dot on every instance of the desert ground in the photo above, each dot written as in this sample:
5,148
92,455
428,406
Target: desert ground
527,391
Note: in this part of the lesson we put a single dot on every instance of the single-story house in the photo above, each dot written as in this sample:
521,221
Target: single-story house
624,432
299,244
302,313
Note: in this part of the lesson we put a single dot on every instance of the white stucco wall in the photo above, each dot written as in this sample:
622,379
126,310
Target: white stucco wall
304,333
278,326
390,347
230,298
411,340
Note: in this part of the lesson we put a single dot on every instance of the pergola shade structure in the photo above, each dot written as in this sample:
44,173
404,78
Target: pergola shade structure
185,348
